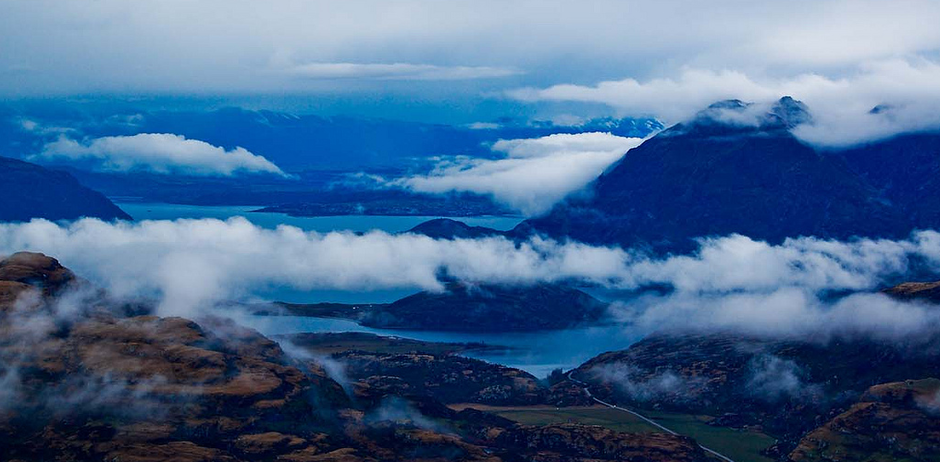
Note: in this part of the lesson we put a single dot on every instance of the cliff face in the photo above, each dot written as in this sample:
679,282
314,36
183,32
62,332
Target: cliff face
30,191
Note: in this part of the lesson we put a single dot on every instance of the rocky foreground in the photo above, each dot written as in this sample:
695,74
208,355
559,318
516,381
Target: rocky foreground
839,399
83,379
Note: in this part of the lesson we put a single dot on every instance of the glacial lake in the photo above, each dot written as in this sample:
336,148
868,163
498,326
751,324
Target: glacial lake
535,352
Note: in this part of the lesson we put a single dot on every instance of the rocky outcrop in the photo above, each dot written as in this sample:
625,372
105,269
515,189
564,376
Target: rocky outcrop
927,291
892,421
446,378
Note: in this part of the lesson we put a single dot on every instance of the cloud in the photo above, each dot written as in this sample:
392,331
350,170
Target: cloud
534,175
909,89
162,153
649,387
397,71
731,283
69,46
772,378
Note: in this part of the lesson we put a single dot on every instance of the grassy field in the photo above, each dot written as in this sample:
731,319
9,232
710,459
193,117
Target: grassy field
742,446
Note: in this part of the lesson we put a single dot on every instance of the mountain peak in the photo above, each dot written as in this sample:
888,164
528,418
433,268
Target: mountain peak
785,113
788,112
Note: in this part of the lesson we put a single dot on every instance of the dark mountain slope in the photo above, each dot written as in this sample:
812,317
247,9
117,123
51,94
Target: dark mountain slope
29,191
712,177
906,172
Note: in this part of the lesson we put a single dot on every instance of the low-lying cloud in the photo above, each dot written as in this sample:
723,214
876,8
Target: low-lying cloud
907,90
731,283
162,153
535,174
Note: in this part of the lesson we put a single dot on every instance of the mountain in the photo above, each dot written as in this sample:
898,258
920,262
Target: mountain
736,169
294,142
30,191
905,170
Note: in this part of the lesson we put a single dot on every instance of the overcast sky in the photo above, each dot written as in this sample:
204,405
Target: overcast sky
457,54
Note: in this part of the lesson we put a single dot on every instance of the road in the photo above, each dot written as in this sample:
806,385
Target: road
587,391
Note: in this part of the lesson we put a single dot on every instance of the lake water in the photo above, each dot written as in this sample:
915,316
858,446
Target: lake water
535,352
356,223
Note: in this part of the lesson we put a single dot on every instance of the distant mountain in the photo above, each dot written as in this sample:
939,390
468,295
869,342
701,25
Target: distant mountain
29,191
293,142
731,171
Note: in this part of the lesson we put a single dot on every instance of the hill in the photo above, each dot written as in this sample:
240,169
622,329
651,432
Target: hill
29,191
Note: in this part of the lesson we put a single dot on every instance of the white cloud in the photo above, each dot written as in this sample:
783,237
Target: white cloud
535,174
73,47
397,71
840,106
160,153
731,283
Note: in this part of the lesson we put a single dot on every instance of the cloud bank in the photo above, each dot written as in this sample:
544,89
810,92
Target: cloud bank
534,175
731,283
908,91
55,46
162,153
397,71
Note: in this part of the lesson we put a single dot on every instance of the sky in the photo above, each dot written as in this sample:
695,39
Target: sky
465,60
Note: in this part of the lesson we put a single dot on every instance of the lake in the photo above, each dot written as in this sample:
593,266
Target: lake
356,223
534,352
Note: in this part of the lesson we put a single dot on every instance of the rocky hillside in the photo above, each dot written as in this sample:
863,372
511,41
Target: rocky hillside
83,382
30,191
788,387
892,421
724,173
